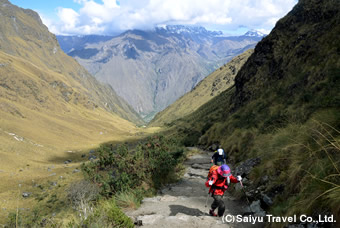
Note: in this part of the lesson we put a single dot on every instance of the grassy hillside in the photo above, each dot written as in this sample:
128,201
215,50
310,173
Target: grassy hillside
51,109
217,82
25,36
284,109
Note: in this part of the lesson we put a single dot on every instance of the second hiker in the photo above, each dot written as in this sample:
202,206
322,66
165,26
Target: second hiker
219,157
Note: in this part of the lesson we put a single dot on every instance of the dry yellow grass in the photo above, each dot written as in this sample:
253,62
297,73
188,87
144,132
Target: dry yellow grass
51,110
37,135
47,141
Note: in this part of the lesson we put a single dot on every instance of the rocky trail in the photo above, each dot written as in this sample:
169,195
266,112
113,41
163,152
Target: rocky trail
182,204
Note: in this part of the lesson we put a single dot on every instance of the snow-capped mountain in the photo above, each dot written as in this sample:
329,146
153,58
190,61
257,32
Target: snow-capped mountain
182,29
254,33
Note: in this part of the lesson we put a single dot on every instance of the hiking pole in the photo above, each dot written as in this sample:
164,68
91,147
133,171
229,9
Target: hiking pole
251,212
206,201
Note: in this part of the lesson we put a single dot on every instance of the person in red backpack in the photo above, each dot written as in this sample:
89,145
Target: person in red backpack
218,183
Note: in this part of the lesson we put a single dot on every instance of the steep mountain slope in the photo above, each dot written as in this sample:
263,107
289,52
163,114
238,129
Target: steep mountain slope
284,110
208,88
50,106
23,35
151,69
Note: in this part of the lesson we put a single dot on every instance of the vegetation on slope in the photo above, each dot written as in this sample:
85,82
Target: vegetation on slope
217,82
284,109
119,178
50,107
24,36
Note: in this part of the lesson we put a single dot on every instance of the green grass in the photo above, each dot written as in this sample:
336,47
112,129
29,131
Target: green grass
284,109
128,199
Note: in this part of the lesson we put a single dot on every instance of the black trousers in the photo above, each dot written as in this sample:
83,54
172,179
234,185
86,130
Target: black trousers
218,203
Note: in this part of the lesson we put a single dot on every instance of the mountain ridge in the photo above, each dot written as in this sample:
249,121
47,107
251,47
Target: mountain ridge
152,63
20,38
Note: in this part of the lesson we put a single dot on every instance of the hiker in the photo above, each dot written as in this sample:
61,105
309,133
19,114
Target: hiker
219,157
218,182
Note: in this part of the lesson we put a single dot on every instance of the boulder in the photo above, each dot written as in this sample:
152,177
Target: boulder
256,208
26,194
245,167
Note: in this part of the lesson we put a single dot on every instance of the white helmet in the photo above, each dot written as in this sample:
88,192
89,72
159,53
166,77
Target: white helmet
220,151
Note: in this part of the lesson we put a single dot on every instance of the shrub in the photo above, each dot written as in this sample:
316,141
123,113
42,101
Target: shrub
81,195
191,138
123,170
106,214
82,191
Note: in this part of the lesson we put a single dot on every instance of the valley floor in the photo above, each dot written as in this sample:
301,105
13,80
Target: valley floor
31,173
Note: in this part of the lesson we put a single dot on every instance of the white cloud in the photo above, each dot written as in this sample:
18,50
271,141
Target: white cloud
108,16
49,23
68,17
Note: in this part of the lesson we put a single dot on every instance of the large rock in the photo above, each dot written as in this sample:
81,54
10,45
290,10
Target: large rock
256,209
245,167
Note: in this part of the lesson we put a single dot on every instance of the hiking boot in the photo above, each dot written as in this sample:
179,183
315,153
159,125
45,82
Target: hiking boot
212,213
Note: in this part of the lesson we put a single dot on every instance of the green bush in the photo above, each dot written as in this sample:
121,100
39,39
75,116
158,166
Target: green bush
123,170
191,138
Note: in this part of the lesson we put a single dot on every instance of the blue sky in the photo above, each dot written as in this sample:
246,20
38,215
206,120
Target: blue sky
47,8
79,17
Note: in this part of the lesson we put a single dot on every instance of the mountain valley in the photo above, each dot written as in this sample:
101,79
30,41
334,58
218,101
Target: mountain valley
151,69
76,152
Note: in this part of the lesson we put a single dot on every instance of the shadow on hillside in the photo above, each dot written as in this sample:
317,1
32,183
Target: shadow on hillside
85,155
175,209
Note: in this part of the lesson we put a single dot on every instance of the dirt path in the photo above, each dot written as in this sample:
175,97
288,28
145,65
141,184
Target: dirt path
183,204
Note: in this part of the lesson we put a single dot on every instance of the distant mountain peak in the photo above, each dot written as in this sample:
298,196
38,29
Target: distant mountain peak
182,29
254,33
